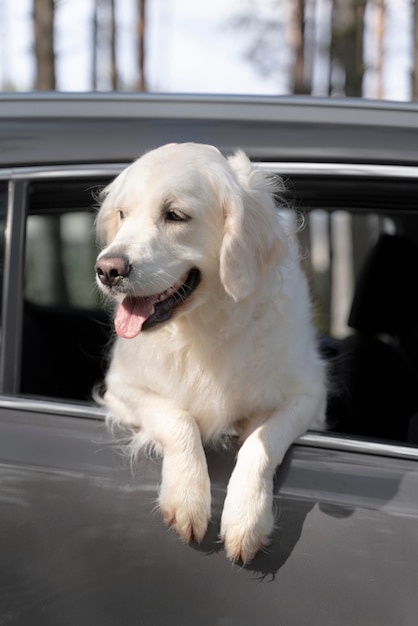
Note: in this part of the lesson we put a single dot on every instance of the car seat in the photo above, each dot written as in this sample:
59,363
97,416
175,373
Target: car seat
375,373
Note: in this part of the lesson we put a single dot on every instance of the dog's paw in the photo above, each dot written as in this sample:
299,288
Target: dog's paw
186,509
247,523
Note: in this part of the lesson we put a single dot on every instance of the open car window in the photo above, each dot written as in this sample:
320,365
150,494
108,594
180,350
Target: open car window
65,329
360,252
359,256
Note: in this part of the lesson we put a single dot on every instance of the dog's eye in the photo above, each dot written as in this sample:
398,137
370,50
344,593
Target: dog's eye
121,214
176,216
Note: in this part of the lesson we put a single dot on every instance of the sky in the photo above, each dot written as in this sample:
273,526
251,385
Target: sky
191,47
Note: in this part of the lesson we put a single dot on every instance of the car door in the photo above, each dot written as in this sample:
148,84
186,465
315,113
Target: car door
80,540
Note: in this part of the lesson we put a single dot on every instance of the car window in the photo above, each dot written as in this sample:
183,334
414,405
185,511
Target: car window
360,263
65,329
362,270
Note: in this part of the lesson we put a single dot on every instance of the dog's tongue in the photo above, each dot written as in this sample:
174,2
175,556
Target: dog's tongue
131,315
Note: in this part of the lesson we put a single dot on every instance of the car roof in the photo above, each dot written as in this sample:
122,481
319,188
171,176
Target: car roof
58,128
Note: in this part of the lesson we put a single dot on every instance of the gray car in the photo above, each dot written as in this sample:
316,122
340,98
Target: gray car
80,542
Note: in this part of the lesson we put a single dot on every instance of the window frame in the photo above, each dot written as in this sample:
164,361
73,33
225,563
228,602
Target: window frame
19,180
12,285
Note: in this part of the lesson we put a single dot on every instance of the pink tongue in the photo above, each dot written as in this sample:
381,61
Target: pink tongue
131,315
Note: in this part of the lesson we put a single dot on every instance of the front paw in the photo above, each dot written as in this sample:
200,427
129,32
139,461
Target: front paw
247,523
186,508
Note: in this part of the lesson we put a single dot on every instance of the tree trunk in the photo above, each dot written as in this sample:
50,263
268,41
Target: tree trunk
380,36
301,84
113,65
142,83
347,42
43,23
95,45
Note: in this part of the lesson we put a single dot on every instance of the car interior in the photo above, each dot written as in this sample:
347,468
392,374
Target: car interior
66,328
359,247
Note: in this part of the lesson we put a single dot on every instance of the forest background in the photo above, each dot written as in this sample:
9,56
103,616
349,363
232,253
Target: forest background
360,48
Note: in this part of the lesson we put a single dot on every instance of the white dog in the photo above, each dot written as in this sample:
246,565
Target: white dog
213,317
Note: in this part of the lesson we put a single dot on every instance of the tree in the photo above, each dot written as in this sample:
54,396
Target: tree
43,23
104,45
380,36
265,28
302,79
114,78
95,44
347,43
270,50
142,83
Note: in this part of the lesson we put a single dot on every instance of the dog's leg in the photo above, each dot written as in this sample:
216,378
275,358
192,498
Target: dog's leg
247,518
184,497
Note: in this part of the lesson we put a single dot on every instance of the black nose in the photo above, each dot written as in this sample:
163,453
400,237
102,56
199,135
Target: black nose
112,269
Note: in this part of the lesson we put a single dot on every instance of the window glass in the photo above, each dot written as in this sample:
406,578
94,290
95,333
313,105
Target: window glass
362,270
60,256
65,329
360,264
334,248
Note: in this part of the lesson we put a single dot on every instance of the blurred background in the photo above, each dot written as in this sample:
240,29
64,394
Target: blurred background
361,48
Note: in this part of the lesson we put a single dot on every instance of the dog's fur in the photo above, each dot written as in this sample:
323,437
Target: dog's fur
239,352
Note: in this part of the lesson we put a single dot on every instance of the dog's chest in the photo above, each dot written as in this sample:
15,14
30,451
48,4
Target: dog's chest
210,389
218,384
208,383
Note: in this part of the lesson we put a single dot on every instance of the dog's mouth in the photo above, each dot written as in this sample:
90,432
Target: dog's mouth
141,313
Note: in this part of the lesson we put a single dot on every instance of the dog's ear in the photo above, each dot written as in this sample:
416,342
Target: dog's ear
254,239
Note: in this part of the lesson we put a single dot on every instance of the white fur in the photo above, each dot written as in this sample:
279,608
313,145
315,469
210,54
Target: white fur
240,352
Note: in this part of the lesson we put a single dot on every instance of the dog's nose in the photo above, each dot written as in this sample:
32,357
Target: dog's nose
112,269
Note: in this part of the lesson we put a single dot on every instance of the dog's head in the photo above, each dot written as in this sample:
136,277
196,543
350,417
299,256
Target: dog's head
179,218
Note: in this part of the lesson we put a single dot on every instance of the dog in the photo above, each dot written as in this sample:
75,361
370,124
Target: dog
213,332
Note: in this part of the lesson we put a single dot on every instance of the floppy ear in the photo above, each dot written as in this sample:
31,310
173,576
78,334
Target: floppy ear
254,239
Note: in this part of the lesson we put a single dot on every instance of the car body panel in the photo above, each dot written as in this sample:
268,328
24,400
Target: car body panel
45,128
82,543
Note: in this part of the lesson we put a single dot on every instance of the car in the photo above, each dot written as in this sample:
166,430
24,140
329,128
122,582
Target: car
79,539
